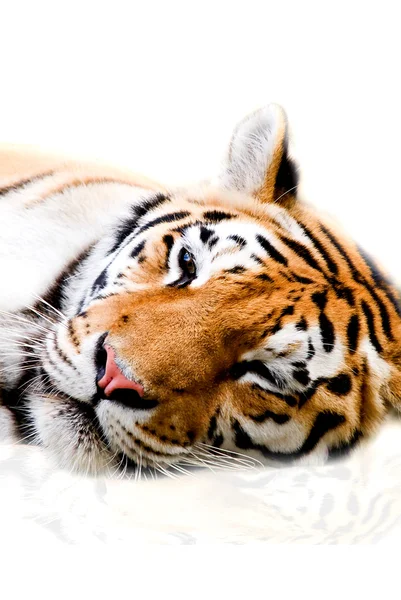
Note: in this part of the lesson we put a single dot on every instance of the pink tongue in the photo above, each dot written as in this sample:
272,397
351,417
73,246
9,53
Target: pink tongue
114,379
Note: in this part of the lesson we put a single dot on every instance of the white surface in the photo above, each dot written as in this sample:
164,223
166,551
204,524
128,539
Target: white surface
159,86
356,501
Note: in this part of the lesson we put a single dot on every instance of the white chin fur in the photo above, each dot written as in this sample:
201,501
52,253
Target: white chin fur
70,436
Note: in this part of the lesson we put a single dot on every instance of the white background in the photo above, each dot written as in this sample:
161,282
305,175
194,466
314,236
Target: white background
158,86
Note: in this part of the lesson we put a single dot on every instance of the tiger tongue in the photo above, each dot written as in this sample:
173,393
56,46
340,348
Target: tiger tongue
114,379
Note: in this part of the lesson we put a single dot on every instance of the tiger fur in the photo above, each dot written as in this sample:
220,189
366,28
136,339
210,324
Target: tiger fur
230,316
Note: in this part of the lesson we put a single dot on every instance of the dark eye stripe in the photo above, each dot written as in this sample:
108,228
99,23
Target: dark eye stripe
169,242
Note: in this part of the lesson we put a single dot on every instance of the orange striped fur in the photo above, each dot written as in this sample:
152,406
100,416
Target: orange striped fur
252,325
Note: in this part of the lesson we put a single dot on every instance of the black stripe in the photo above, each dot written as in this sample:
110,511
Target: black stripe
324,422
327,331
381,281
217,215
257,259
359,278
151,204
384,316
273,253
205,234
100,282
333,267
353,333
303,252
311,391
340,385
344,447
268,414
371,326
258,368
288,310
138,212
302,376
123,231
290,400
302,325
238,239
169,242
344,292
18,185
311,350
236,270
61,354
320,299
168,218
55,294
212,428
301,279
137,249
264,277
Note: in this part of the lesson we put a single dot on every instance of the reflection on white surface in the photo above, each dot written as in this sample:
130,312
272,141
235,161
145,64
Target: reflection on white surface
353,501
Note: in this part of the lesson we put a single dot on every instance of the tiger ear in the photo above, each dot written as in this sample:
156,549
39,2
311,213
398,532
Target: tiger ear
257,160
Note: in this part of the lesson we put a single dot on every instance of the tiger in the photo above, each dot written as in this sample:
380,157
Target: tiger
162,326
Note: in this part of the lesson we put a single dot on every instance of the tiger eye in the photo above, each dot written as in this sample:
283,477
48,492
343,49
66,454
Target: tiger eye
189,262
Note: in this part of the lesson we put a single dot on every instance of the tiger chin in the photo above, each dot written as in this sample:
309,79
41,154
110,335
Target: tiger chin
178,327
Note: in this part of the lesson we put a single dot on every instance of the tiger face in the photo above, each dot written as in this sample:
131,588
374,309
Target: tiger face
226,316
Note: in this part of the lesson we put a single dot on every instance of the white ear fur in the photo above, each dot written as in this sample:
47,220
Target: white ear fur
252,149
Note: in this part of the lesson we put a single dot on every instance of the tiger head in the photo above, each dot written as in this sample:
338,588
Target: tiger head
224,316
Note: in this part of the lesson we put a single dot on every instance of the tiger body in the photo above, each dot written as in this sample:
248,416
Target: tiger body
228,316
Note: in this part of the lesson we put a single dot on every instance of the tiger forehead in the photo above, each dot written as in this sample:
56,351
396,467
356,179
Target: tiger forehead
211,206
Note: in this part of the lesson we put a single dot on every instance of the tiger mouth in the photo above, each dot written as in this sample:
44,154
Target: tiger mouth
129,398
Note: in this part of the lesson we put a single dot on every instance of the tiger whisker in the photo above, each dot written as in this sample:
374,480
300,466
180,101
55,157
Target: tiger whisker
17,317
229,461
287,192
24,345
230,452
56,310
180,469
164,471
206,463
42,316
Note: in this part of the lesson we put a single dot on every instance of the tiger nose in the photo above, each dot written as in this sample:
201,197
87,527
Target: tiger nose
112,378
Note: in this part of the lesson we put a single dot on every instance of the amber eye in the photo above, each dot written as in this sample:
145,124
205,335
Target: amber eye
187,263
